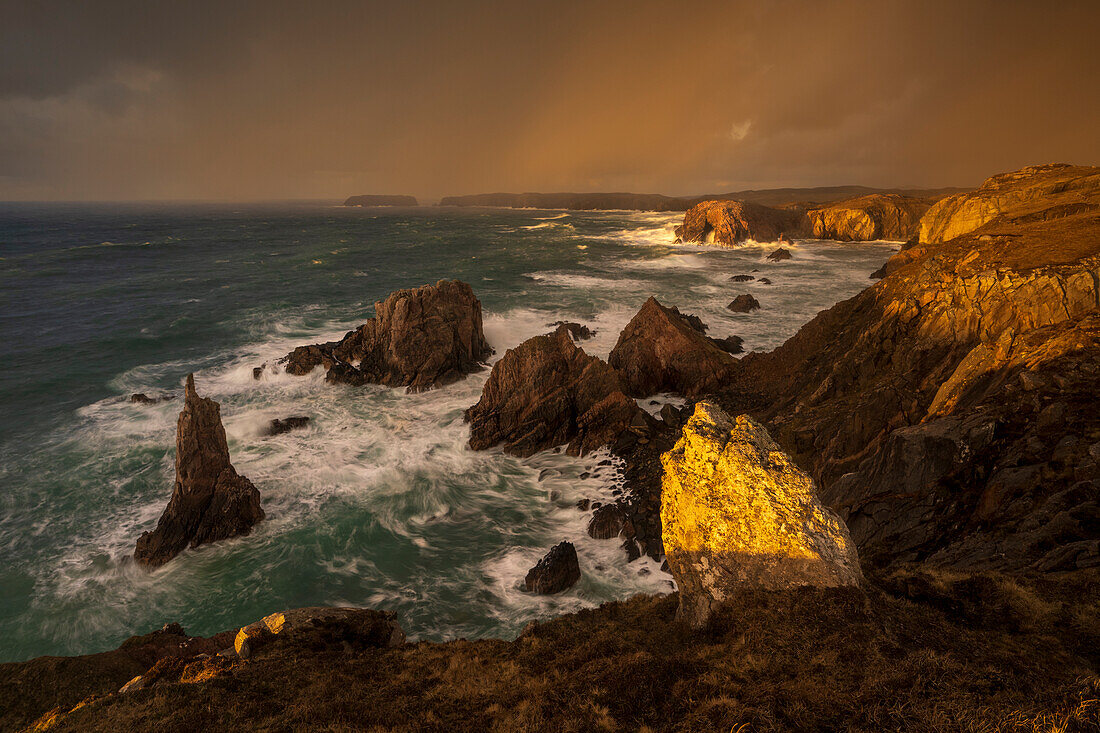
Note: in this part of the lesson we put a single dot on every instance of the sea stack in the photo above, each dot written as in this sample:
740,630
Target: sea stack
419,338
210,501
737,514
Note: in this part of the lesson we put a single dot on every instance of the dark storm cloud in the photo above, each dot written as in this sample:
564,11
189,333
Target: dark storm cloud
278,99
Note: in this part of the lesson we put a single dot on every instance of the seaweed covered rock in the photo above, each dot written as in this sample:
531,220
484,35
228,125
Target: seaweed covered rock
419,338
738,514
547,392
662,350
210,500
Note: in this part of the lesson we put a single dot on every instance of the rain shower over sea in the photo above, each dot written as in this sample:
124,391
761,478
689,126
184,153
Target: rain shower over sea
378,502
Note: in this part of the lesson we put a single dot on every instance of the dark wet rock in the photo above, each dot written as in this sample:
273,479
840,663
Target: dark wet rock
742,278
730,344
277,427
140,398
210,500
547,392
661,350
630,547
779,255
608,522
744,304
583,504
258,372
420,338
555,572
578,331
764,281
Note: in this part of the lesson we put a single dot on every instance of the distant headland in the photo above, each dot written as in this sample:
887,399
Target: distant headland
381,200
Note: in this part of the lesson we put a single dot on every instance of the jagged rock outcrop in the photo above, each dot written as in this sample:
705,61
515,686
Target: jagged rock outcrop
878,216
732,222
738,514
419,338
555,572
547,392
210,500
1038,193
942,410
380,200
285,425
662,350
744,303
356,627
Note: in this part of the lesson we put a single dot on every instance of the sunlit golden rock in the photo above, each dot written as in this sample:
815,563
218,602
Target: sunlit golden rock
737,513
730,223
877,216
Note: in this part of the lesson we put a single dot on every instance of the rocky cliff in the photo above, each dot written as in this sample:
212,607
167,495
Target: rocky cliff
210,500
380,200
877,216
948,413
732,222
419,338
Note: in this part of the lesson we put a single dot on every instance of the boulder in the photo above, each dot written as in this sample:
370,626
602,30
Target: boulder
547,392
779,255
877,216
555,572
730,223
210,500
661,350
278,427
358,628
765,281
737,514
744,304
578,331
419,338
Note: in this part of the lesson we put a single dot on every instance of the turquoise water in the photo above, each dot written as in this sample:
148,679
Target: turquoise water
378,503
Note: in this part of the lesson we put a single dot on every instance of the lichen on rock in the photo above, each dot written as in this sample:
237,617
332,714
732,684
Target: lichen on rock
737,514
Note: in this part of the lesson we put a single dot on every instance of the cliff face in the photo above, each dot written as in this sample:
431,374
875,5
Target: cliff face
1044,192
380,200
732,222
868,218
948,413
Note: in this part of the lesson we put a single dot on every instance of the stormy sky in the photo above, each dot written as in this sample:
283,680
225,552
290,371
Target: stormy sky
265,100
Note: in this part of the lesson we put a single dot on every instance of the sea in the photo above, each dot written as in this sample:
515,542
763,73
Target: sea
378,502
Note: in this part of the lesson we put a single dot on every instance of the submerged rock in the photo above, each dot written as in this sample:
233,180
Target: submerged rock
420,338
744,304
555,572
742,278
210,500
140,398
547,392
661,350
278,427
779,255
738,514
732,222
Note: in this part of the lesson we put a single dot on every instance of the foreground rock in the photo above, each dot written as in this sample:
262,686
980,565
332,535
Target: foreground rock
738,514
555,572
380,200
878,216
210,500
547,392
732,222
357,627
662,350
419,338
947,412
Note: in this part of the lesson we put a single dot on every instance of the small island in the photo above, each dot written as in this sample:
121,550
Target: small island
381,200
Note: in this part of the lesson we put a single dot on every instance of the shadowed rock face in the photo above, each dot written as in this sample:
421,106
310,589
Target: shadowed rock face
419,338
949,411
661,350
732,222
210,500
555,572
738,514
878,216
547,392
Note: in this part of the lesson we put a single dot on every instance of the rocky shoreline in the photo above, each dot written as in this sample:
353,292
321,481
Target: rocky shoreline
942,424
